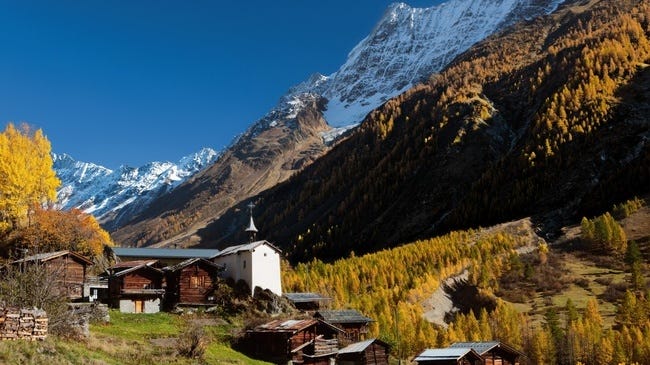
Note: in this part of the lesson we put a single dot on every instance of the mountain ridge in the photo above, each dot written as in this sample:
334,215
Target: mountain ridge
405,47
115,195
511,128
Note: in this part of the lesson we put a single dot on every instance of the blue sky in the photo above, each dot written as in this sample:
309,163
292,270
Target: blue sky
129,82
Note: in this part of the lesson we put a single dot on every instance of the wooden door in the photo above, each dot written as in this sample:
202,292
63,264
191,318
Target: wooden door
139,306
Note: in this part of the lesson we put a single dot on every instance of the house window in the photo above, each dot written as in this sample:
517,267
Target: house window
197,281
244,264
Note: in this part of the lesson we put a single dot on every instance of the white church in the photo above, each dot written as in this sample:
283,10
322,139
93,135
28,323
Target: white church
256,262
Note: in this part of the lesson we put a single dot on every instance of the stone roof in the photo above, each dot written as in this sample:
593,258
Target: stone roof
342,316
360,346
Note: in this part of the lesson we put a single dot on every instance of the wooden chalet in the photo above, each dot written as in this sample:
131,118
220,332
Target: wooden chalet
369,352
136,287
301,341
67,268
191,282
307,301
351,321
449,356
493,352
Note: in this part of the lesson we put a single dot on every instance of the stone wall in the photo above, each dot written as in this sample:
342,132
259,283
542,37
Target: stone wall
24,324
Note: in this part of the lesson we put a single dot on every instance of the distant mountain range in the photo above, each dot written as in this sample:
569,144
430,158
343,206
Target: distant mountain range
406,46
116,196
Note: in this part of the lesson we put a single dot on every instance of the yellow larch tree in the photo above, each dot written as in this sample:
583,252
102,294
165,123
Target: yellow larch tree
27,178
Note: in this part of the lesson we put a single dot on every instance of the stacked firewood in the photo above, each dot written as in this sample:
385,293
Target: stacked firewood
323,346
28,324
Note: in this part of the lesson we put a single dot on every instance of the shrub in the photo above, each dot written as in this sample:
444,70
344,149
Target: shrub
191,343
32,285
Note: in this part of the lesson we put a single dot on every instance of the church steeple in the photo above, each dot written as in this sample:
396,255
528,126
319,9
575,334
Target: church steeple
252,230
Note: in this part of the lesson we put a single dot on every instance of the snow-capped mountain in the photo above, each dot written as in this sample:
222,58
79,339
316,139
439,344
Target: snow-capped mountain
405,48
111,195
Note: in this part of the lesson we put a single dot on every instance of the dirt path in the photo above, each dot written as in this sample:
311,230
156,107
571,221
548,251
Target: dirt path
439,303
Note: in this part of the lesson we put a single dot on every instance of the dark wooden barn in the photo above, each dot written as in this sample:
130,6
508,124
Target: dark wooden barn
281,341
67,268
136,289
369,352
307,301
351,321
449,356
191,282
493,352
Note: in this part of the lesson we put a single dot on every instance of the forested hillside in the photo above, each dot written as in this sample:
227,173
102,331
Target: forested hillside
549,118
570,322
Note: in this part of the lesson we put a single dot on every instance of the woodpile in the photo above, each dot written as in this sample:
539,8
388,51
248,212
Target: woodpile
323,346
23,324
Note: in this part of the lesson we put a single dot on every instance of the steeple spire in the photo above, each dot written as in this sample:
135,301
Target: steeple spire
252,230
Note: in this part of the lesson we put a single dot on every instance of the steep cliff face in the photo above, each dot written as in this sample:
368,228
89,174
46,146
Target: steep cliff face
409,44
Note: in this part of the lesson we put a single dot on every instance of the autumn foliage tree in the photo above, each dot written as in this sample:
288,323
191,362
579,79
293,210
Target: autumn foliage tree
53,230
28,186
26,175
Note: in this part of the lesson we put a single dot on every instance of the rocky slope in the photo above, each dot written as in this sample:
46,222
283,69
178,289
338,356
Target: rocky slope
548,119
406,46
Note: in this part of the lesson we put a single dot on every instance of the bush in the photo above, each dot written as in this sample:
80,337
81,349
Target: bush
191,343
34,286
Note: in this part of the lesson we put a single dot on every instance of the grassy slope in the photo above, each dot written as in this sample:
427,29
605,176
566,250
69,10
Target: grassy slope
129,339
590,275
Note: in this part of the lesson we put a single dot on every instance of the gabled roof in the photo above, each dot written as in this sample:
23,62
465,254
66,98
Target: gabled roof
446,354
247,247
133,263
361,346
188,262
136,268
165,253
342,316
485,346
292,325
43,257
305,297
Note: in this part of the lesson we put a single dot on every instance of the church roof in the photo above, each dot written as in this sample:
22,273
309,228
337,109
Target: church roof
246,247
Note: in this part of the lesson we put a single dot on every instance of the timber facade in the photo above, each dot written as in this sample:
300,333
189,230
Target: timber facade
67,268
192,282
137,289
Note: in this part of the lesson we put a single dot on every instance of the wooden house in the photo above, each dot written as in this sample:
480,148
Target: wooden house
369,352
136,289
449,356
191,282
307,301
67,268
281,341
493,352
351,321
